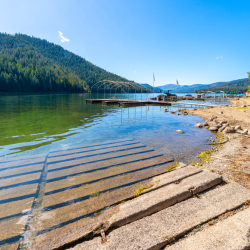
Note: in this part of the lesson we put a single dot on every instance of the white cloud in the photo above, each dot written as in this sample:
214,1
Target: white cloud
218,57
63,39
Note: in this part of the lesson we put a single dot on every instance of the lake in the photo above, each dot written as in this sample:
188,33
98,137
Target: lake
62,161
36,124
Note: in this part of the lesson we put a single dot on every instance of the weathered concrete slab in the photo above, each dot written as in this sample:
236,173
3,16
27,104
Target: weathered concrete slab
11,231
79,202
19,180
94,154
155,231
164,197
24,162
99,181
230,234
91,145
79,226
97,165
17,193
105,157
11,172
92,149
108,169
15,208
30,157
174,176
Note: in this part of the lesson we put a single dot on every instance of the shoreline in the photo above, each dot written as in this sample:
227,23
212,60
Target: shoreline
231,157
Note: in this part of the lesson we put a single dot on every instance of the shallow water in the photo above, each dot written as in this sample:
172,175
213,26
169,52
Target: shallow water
35,124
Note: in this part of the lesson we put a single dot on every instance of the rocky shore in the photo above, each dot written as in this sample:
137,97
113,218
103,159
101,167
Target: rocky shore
230,156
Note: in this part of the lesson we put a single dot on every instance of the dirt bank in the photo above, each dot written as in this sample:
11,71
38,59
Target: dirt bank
230,159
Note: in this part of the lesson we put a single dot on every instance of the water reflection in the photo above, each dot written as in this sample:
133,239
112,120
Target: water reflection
32,124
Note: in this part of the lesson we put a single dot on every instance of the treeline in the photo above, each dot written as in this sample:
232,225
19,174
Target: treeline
22,73
32,64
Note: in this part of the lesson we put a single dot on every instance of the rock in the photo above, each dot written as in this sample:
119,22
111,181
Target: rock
244,106
179,114
213,118
173,112
220,113
238,127
205,124
179,131
212,124
223,127
165,110
223,122
229,130
213,128
198,125
243,132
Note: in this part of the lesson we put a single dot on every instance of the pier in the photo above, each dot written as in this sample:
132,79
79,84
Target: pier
127,102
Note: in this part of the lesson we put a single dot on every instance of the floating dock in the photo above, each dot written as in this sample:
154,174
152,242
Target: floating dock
127,102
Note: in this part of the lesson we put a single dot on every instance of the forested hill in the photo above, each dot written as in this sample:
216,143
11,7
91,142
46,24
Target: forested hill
234,87
33,64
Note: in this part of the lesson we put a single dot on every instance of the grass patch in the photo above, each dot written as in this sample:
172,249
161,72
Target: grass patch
220,138
172,167
193,163
125,193
139,190
242,108
95,193
205,155
99,213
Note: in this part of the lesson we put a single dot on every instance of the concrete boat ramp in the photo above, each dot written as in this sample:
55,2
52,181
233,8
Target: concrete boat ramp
118,195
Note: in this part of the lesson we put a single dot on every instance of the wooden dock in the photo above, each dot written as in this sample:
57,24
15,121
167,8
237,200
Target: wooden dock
127,103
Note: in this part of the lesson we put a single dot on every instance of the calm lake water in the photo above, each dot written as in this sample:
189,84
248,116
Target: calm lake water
35,124
87,157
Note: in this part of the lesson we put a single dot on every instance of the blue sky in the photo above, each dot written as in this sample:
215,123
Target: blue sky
193,41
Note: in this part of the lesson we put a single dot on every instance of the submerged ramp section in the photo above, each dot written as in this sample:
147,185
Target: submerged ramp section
44,196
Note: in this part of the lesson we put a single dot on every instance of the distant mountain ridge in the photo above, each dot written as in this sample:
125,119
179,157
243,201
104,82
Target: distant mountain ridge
151,88
240,85
235,87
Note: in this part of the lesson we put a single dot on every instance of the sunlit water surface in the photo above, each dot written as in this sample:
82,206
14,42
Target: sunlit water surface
35,124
